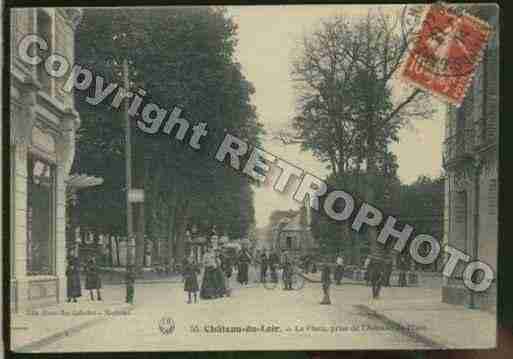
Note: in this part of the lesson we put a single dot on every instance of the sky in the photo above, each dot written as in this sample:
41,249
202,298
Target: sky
267,40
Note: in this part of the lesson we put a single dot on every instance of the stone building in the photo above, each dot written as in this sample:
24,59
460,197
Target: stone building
43,122
470,160
294,234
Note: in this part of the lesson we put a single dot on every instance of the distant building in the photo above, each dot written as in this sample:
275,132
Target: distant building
43,123
293,234
470,159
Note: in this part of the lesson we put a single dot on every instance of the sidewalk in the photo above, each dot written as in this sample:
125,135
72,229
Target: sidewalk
424,317
316,278
32,329
116,276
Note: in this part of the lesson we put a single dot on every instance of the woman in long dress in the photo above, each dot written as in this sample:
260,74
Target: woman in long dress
209,284
220,276
74,289
243,266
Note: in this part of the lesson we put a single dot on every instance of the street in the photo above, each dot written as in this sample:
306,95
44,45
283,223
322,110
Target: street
302,322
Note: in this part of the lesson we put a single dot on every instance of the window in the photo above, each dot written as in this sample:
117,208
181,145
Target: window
44,29
40,216
492,197
289,242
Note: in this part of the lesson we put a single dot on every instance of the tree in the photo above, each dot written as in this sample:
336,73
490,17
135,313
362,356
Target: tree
422,205
350,104
194,48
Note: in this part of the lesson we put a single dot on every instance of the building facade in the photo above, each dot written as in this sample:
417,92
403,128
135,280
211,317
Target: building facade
293,235
43,123
470,160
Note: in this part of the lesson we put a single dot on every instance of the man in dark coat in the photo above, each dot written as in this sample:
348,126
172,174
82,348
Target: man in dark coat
93,279
74,289
376,275
326,282
274,262
402,265
287,271
130,284
264,265
243,261
226,264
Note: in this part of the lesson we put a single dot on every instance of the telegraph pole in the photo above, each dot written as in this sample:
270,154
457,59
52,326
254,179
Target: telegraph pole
128,169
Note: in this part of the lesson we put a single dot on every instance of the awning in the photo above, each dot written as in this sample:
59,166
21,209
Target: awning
79,181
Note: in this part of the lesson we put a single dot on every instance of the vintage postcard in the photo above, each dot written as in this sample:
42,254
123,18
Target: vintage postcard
214,178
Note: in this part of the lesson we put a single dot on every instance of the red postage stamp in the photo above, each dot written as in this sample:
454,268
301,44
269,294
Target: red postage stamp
446,53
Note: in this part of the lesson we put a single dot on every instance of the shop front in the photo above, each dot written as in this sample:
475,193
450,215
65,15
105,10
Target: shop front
43,124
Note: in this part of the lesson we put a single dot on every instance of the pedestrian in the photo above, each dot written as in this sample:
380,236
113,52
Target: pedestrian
388,273
220,278
339,269
274,262
74,289
326,282
376,275
93,279
366,264
183,264
190,274
209,283
227,268
287,271
264,265
306,260
243,265
130,284
402,265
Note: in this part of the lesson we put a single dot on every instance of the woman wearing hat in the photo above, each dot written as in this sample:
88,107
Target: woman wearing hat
209,285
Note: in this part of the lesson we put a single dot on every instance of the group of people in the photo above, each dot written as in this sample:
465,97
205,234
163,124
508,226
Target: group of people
92,279
377,274
218,269
269,262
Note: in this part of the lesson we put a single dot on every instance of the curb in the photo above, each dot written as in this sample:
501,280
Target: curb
430,343
147,282
52,338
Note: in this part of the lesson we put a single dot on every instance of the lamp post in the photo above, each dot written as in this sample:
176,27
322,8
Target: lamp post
128,170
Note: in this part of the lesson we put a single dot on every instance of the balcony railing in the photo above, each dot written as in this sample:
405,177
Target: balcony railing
459,146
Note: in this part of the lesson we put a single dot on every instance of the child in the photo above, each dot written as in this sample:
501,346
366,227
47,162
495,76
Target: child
130,285
326,281
190,272
93,279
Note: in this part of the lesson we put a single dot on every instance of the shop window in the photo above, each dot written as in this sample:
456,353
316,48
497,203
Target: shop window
40,216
